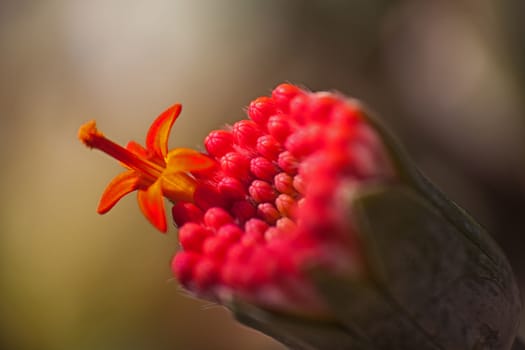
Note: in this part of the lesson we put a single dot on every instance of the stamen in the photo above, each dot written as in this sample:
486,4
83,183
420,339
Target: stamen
93,138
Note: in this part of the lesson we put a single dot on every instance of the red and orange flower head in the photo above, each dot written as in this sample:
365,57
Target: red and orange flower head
271,196
308,207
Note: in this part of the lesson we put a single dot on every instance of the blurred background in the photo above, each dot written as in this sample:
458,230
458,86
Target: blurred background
447,76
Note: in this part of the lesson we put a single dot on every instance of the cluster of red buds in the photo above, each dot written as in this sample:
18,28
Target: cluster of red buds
279,199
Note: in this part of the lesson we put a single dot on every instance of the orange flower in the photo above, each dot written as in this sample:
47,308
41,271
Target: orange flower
152,171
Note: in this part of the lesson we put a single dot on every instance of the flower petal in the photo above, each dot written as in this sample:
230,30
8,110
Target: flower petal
178,186
187,159
159,131
151,203
137,149
121,185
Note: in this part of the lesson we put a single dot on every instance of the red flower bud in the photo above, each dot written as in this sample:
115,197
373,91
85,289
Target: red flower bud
263,168
236,165
219,142
246,133
262,191
261,109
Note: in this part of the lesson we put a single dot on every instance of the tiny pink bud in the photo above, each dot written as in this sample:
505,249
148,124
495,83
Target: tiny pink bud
246,133
284,183
182,266
299,184
192,236
230,232
304,141
236,165
279,127
219,142
286,225
283,94
217,217
262,191
255,227
268,212
263,169
261,109
231,187
288,163
268,147
286,204
206,273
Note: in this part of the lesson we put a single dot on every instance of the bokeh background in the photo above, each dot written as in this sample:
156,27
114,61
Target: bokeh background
447,76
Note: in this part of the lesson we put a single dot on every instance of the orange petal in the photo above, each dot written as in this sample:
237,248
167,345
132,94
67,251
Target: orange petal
159,131
137,149
187,159
151,203
121,185
178,186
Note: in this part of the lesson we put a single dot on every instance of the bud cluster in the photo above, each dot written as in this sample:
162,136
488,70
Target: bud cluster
278,200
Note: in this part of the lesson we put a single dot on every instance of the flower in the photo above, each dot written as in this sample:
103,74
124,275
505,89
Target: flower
152,171
279,201
309,208
270,197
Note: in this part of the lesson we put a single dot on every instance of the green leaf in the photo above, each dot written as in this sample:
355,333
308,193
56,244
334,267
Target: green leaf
299,333
429,286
